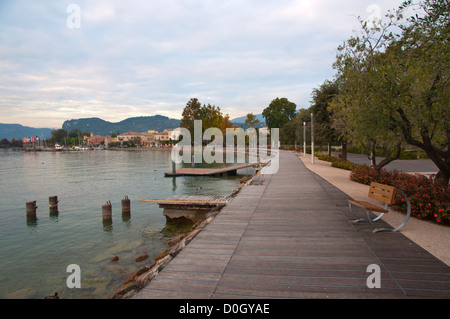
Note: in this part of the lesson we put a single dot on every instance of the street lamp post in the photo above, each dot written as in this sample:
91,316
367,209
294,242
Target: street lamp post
312,138
304,139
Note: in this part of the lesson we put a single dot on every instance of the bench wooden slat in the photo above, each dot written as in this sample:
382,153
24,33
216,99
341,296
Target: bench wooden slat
382,193
369,206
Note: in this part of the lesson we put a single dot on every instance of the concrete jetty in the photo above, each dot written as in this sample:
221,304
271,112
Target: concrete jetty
291,237
193,208
230,170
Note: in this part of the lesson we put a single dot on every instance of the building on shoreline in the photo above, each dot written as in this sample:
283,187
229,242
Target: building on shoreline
96,140
264,131
149,138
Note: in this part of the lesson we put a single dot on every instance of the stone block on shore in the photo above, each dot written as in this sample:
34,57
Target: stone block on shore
141,257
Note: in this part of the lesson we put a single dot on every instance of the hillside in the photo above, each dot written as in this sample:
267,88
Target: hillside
133,124
17,131
240,121
102,127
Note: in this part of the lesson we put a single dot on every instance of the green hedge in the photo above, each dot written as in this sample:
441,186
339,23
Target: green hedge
337,162
379,152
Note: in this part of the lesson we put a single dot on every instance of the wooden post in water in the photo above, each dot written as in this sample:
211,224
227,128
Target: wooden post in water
31,213
107,211
126,208
53,203
174,167
31,209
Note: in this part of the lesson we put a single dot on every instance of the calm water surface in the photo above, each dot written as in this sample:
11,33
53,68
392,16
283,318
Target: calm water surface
34,255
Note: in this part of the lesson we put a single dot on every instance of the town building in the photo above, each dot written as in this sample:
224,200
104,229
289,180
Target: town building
149,138
264,131
163,136
144,138
96,140
174,134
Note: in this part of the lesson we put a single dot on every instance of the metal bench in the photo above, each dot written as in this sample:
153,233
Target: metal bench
384,194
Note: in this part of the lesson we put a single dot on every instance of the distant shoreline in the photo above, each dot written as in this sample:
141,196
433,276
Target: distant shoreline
139,149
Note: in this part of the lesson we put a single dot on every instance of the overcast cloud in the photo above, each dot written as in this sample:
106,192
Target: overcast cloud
140,58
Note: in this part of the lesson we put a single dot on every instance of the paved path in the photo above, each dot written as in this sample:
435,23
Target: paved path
291,238
408,166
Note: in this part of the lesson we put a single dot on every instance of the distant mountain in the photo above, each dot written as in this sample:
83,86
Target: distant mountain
102,127
17,131
240,121
133,124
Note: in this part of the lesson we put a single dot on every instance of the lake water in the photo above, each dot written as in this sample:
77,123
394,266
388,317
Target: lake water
34,255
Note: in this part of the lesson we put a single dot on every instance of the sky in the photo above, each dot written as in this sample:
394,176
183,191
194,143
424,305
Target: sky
62,60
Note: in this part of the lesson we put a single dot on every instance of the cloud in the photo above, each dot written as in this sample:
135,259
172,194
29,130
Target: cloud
98,11
150,57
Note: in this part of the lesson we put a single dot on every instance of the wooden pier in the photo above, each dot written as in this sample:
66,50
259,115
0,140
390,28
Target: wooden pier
291,237
200,201
190,207
188,171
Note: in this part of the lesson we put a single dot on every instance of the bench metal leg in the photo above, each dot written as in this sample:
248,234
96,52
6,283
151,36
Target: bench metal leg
368,219
408,214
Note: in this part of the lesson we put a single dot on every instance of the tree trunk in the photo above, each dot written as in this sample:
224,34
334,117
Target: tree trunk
440,157
443,164
388,157
344,151
371,156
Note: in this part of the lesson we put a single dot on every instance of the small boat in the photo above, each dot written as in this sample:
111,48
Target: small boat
58,147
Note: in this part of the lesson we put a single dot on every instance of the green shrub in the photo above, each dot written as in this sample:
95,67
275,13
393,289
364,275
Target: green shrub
325,157
413,155
337,162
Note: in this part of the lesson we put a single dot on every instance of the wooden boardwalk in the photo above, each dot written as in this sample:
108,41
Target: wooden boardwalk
291,238
188,171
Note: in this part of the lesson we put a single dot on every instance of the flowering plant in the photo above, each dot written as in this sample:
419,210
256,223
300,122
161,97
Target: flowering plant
429,199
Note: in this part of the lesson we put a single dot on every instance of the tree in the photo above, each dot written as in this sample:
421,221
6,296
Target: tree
251,120
210,115
358,114
292,131
58,136
279,112
226,123
321,99
421,77
16,143
396,85
190,113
